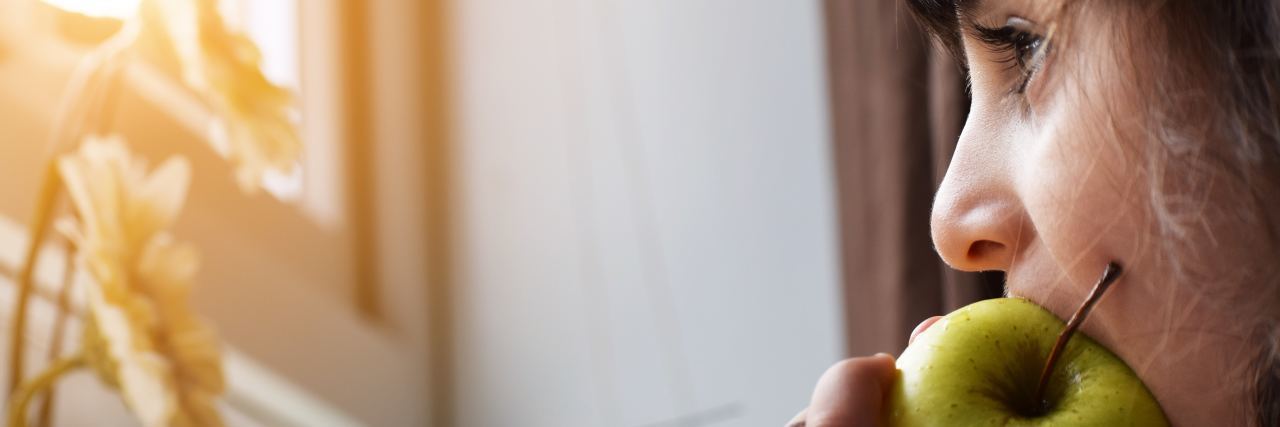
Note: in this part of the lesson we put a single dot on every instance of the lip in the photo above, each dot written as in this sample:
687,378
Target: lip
1059,298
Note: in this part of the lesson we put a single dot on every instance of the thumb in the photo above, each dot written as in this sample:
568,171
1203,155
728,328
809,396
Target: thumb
851,393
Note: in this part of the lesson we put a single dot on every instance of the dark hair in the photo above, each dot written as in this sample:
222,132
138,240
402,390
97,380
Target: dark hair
940,18
1229,47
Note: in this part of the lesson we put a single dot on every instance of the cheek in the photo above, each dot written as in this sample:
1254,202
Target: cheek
1086,199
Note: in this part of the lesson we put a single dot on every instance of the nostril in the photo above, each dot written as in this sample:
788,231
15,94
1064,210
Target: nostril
985,249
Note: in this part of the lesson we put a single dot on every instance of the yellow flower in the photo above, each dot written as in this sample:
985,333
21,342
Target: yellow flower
141,335
253,129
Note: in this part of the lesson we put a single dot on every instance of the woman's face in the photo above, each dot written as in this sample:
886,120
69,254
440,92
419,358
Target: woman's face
1053,178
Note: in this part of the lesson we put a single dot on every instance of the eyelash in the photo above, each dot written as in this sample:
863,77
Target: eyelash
1019,48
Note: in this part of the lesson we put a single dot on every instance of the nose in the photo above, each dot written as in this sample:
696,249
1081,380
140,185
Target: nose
979,223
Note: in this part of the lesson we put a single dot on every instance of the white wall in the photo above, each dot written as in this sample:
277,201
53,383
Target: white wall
646,219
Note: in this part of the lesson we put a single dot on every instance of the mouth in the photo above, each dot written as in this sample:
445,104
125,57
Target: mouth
1058,289
1051,288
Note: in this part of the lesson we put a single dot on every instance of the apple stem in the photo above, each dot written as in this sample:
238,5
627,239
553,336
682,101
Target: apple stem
1108,277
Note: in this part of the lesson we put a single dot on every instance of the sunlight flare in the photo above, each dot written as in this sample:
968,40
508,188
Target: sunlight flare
98,8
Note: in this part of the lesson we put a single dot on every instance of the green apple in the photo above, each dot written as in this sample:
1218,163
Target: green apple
980,366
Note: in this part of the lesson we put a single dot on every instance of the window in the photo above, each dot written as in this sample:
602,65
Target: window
277,273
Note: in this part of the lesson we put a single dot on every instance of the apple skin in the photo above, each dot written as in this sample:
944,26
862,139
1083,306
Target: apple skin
979,366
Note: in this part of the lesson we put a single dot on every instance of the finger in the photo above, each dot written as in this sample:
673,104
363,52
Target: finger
851,393
923,326
798,420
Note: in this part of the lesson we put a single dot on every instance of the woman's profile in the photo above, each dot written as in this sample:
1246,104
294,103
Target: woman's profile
1142,132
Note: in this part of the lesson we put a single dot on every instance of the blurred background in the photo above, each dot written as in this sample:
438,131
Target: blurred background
535,213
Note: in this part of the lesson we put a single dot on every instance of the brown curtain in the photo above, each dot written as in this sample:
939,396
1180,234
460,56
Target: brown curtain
898,106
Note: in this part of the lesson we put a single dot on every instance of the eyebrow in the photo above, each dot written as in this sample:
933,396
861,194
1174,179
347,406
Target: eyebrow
942,19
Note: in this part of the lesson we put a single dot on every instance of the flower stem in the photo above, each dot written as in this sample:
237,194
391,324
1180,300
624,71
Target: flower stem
22,399
44,418
90,96
49,189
